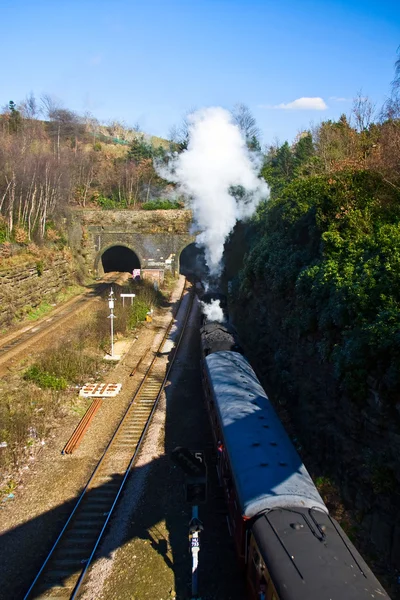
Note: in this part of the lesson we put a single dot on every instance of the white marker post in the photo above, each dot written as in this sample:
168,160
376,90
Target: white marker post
131,296
195,526
112,317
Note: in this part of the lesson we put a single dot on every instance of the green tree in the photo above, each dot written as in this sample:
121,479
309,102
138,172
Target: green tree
15,117
304,149
336,142
140,150
278,169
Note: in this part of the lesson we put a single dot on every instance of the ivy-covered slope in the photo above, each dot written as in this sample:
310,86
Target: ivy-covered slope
328,251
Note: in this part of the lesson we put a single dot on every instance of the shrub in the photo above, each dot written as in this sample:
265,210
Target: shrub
25,417
161,204
138,312
3,230
20,235
44,379
108,203
52,235
39,268
329,250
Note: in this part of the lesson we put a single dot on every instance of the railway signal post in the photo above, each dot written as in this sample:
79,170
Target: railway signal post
112,317
195,526
194,466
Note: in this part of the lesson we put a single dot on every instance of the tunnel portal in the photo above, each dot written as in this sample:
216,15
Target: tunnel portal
192,262
119,258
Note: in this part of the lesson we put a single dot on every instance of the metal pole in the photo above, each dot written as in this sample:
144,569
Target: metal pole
111,317
112,333
195,547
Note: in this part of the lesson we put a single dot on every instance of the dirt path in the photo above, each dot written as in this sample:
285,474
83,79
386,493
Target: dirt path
48,490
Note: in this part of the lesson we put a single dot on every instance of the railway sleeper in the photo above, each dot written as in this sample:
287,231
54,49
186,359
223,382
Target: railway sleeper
79,552
83,534
92,506
70,563
128,438
60,577
98,497
91,517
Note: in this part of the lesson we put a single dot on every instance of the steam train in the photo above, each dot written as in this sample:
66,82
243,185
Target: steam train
288,545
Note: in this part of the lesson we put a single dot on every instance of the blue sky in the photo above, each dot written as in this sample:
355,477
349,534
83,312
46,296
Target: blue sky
150,61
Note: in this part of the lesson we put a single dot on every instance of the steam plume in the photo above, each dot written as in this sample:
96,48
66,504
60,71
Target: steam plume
218,174
213,311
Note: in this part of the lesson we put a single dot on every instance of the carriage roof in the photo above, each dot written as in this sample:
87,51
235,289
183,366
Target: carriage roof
266,468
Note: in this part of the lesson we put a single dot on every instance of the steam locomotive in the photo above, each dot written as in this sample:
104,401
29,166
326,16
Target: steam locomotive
288,545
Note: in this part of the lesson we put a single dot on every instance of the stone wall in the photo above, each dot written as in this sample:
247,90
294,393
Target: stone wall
25,286
157,237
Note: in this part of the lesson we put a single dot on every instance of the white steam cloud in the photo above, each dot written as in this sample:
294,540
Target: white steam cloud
213,311
219,175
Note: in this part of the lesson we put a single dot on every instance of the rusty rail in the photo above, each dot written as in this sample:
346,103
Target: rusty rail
64,570
82,427
134,370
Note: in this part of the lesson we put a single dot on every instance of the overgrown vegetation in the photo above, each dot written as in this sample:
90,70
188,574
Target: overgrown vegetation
44,379
30,405
161,204
327,247
51,158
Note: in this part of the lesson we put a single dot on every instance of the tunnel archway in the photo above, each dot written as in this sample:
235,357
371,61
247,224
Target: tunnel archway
192,262
119,258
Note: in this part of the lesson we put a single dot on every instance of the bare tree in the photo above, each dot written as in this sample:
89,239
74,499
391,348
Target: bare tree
179,134
117,129
91,124
246,123
48,105
363,111
396,80
29,107
391,107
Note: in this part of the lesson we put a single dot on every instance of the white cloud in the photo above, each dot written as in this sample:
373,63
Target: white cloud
300,104
339,99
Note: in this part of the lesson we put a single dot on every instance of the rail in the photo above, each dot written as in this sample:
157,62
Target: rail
82,427
67,563
10,343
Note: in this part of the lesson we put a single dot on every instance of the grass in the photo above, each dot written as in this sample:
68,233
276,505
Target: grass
45,307
44,379
9,487
33,314
33,404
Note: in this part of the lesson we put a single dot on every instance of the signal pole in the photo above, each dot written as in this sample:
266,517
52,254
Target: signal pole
195,468
112,317
195,526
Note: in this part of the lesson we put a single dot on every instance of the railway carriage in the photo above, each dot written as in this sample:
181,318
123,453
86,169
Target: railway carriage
288,545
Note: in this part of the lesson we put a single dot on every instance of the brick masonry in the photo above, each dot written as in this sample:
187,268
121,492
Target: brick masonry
156,237
24,287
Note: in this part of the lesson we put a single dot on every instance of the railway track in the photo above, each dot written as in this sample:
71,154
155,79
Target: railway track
12,344
64,570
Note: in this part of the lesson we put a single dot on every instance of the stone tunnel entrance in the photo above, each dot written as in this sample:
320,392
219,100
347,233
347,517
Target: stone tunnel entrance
192,262
119,258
